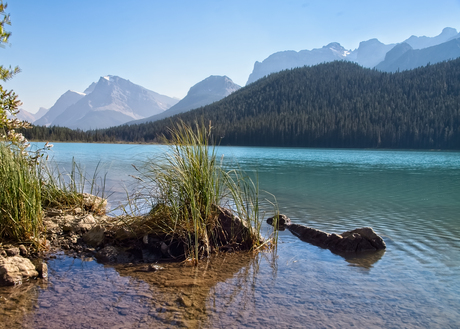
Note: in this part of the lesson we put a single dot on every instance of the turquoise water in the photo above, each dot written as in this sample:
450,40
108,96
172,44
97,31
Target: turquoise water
411,198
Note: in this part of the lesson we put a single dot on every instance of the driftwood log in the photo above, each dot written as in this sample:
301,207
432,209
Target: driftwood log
361,239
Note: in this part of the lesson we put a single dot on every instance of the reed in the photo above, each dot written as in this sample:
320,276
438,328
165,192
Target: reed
20,198
61,190
28,185
185,187
64,190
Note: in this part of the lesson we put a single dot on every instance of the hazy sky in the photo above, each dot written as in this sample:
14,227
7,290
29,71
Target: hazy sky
169,45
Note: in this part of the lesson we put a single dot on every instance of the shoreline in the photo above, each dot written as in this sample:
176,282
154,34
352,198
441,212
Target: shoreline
254,146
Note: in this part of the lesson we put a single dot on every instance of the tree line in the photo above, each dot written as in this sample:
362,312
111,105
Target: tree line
338,104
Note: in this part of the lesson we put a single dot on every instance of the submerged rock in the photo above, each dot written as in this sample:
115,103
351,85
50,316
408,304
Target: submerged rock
368,234
358,240
184,301
151,268
108,254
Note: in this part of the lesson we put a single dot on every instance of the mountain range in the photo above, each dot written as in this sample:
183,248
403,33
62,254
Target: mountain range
411,53
109,102
70,97
404,57
208,91
24,115
115,101
337,104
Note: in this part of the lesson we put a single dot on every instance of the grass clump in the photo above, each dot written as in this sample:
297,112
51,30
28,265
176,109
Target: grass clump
20,198
28,185
67,191
194,200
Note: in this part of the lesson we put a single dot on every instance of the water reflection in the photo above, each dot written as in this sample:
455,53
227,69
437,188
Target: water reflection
18,302
188,296
363,259
82,293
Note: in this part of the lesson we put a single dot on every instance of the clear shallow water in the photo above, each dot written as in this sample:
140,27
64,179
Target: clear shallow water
410,198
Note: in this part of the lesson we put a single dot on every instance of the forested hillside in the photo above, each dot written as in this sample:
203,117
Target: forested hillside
338,104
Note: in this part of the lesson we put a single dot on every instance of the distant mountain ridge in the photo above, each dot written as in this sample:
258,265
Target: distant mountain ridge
115,101
289,59
208,91
404,57
24,115
110,102
447,34
67,99
369,54
41,112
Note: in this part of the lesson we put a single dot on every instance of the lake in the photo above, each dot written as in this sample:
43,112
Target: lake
410,198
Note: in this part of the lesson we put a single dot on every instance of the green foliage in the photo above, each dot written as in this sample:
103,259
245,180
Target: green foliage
9,102
26,182
185,186
20,198
5,73
27,187
62,134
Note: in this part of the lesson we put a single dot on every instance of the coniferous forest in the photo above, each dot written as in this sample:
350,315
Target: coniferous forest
338,104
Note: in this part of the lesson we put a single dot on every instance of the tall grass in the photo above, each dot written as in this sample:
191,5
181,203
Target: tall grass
27,185
20,198
60,190
185,186
64,190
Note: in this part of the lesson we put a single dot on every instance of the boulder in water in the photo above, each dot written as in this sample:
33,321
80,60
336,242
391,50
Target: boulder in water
361,239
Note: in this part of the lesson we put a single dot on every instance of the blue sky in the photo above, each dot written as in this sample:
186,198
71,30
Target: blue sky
168,46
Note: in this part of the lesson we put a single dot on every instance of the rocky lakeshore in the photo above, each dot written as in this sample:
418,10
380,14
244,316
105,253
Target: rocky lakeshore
16,267
63,229
87,232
